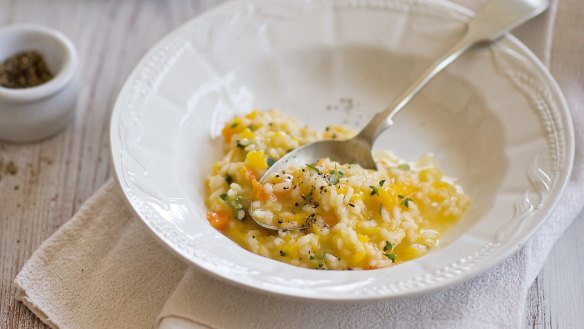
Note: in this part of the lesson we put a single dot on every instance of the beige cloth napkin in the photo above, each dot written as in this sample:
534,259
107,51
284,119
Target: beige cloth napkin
104,270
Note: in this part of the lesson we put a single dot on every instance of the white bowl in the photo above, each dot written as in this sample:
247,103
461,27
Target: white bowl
30,114
495,119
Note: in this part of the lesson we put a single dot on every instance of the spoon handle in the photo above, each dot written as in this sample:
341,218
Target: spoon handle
384,119
490,23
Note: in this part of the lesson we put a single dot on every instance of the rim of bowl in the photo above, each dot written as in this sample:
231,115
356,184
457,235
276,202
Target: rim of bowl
62,76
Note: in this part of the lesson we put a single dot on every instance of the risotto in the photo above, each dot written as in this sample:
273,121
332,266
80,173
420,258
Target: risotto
350,217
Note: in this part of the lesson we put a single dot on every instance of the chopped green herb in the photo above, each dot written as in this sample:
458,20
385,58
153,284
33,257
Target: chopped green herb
406,202
334,179
234,125
283,254
238,144
270,162
322,261
400,196
338,172
388,246
312,257
404,166
313,168
335,175
374,190
251,127
381,182
235,203
391,256
228,179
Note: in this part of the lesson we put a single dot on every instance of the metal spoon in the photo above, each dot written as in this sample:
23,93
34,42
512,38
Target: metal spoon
490,23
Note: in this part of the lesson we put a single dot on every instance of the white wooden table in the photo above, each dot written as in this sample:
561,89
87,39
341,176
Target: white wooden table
55,176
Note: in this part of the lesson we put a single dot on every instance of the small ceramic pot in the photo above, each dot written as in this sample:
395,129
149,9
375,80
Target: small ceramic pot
31,114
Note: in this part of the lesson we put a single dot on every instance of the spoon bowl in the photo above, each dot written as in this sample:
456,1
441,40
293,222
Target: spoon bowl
353,150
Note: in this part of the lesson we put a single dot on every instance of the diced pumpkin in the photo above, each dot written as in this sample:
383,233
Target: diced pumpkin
362,238
247,133
402,189
256,161
427,175
252,115
300,217
409,252
357,257
388,198
440,185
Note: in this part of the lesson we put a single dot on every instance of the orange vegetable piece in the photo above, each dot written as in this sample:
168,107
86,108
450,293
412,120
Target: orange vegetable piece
250,174
219,220
230,129
258,191
256,160
227,133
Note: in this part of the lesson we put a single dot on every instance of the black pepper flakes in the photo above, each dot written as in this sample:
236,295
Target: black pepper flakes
24,70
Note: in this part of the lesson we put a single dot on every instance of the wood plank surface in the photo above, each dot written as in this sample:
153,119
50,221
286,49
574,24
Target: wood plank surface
55,176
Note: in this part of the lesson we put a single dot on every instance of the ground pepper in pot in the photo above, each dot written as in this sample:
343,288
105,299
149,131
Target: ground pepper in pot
24,70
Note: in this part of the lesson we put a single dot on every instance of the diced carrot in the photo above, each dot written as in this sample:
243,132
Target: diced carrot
219,220
258,191
232,128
